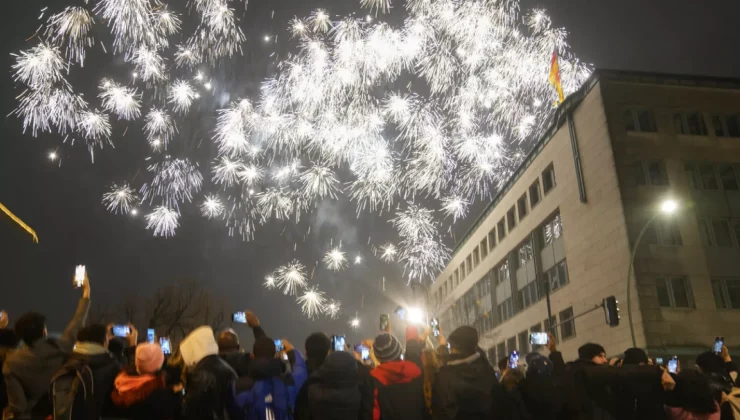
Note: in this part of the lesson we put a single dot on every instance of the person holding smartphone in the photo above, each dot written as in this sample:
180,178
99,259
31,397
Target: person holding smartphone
28,371
231,351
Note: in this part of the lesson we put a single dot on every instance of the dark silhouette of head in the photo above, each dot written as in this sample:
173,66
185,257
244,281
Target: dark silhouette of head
693,392
228,341
264,347
31,327
318,345
94,333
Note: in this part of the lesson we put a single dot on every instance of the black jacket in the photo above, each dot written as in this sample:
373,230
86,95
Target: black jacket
240,360
104,369
336,390
152,400
210,391
591,391
465,387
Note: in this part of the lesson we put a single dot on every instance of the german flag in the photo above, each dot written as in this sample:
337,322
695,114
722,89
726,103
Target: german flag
555,76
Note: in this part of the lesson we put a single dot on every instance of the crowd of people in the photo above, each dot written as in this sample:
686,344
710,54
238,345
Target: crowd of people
88,374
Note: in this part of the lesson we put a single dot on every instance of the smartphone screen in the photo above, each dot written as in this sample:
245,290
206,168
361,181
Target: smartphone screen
658,360
538,338
164,342
673,364
150,336
365,354
338,341
79,275
383,322
719,342
239,317
434,324
121,330
279,345
514,360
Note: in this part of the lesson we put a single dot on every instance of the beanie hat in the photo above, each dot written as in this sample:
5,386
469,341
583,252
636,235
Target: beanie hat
149,358
635,356
464,338
387,348
538,365
590,350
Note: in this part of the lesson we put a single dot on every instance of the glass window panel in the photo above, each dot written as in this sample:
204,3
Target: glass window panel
521,206
501,229
656,174
719,295
733,125
717,122
681,291
662,290
568,324
645,121
523,338
534,194
492,239
727,175
722,235
483,248
678,124
563,273
629,120
708,177
511,344
511,219
695,124
733,293
548,179
692,176
705,231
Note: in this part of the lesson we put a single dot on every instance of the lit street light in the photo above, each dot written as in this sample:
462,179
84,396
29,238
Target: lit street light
667,208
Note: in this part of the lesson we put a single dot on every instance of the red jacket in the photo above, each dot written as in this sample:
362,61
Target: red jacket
393,373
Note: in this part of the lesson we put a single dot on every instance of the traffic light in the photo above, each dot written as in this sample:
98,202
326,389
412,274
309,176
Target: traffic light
611,311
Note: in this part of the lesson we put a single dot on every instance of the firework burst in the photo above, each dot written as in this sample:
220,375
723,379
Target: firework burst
120,199
291,277
335,259
212,207
333,309
312,302
163,220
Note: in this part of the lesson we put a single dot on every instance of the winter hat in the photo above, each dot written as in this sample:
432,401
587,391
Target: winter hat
590,350
464,338
149,358
8,338
635,356
198,344
538,365
387,348
710,362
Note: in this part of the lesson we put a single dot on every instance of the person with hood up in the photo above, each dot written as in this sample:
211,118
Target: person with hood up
27,371
8,343
318,347
465,384
399,387
97,367
539,390
590,383
334,392
268,393
231,351
142,392
209,392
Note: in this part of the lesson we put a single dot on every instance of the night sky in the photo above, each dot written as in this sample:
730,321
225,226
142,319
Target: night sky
63,203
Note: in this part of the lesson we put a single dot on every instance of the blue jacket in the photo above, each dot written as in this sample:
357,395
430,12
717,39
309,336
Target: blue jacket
268,389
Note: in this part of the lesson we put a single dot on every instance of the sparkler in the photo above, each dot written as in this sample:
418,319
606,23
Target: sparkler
312,302
335,259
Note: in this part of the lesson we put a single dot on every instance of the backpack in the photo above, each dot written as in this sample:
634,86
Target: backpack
72,392
733,398
403,401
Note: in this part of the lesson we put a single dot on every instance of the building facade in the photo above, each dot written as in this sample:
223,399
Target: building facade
570,215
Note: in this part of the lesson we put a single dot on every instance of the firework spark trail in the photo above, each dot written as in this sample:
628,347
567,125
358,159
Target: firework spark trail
120,199
212,207
482,68
333,309
335,259
163,220
313,302
291,277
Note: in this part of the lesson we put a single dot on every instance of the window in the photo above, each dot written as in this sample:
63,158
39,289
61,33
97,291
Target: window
521,205
554,331
567,324
639,120
502,229
691,123
717,232
483,248
533,329
523,338
456,275
492,239
534,194
728,177
502,273
476,257
707,177
726,292
445,293
548,179
726,125
501,351
469,263
505,308
552,230
665,232
650,173
674,292
557,276
511,344
511,219
462,272
525,254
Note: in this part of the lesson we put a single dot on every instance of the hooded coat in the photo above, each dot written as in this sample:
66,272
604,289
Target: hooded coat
268,387
144,397
335,390
464,386
399,392
210,381
28,370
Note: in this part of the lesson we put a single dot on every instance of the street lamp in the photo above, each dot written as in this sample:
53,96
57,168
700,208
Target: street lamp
667,208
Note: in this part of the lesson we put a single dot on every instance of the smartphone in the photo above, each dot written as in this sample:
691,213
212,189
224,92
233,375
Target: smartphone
338,342
538,338
121,330
658,360
79,276
279,345
514,359
164,342
434,324
383,322
239,317
150,336
673,364
401,312
719,342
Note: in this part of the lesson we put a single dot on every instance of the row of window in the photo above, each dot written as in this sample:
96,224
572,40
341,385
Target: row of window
676,292
701,176
688,123
520,342
521,209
